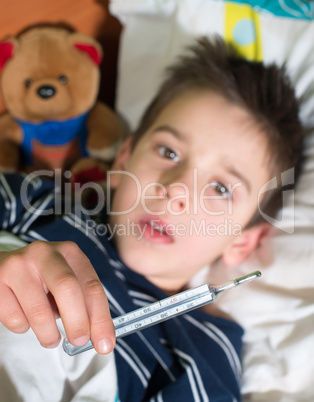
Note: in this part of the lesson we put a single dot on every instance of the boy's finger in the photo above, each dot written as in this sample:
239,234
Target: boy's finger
69,298
11,313
37,309
101,325
103,333
102,328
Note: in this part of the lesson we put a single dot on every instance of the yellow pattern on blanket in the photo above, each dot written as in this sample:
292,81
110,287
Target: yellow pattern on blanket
242,28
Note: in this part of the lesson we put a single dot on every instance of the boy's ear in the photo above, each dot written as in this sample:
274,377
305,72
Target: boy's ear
120,161
240,249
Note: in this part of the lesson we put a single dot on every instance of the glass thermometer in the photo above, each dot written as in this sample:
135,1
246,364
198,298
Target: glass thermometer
165,309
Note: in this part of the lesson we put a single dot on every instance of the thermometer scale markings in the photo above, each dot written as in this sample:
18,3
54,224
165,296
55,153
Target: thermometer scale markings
161,310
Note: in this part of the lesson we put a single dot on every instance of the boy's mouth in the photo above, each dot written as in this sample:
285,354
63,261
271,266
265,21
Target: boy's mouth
156,231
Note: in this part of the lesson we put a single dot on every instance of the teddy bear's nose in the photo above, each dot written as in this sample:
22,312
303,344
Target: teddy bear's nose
46,91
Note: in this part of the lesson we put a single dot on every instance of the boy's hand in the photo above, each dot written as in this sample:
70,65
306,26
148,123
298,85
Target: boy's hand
43,280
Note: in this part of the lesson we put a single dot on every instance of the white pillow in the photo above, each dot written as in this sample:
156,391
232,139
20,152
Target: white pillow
278,310
156,31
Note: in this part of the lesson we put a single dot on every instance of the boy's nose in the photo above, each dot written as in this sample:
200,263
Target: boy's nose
177,187
176,197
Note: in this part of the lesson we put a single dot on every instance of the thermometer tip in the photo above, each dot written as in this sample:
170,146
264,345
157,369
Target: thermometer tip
247,278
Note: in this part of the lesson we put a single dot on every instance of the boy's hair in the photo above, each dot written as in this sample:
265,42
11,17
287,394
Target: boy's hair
264,91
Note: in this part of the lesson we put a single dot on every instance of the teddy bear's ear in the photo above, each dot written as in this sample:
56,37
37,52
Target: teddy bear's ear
87,45
7,48
90,50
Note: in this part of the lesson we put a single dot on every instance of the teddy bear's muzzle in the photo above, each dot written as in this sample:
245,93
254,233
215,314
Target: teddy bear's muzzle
46,91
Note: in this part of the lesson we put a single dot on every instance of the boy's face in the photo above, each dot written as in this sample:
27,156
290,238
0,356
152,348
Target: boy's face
189,188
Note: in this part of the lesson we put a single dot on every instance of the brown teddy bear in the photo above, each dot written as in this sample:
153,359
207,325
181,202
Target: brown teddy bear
49,84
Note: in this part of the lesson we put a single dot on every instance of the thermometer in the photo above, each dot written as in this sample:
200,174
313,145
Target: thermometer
165,309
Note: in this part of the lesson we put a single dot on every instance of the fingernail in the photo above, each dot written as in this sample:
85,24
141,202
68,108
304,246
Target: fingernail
104,346
81,340
52,345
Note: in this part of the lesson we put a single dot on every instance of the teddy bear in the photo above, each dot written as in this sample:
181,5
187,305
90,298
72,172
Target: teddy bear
49,85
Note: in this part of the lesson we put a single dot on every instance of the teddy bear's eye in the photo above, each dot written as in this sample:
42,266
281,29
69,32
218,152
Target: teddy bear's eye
63,79
28,82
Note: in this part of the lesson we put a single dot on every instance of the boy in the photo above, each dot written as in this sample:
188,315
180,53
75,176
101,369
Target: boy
217,131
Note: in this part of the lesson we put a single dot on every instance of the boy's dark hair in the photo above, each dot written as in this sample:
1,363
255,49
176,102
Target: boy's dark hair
263,90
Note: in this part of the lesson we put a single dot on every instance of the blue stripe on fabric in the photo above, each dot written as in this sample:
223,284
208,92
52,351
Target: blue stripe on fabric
298,9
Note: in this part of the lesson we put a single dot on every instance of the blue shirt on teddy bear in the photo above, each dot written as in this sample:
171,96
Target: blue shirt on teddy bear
52,133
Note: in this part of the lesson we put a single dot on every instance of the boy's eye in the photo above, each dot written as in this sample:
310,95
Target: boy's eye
168,153
220,189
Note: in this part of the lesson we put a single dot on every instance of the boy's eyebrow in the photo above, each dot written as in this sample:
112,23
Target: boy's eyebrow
170,130
240,176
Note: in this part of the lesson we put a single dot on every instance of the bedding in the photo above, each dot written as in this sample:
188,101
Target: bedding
276,311
52,375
